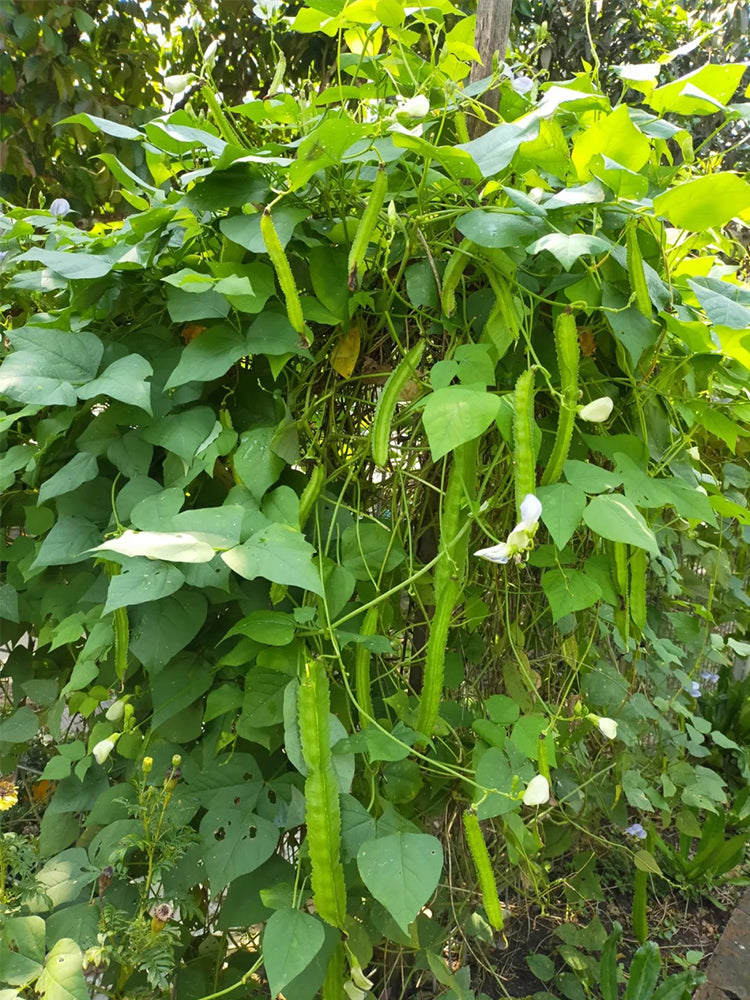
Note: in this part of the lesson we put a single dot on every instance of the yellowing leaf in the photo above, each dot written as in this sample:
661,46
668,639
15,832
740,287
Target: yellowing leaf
346,352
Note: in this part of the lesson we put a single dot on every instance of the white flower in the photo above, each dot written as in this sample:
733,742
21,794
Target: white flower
352,992
496,553
537,791
60,207
607,727
531,511
597,411
519,538
694,454
104,748
414,107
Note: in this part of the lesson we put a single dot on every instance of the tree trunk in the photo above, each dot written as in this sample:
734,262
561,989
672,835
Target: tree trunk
491,36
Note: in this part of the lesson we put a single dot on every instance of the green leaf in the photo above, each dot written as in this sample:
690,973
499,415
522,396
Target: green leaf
493,151
401,871
63,877
176,687
644,971
175,547
22,941
722,302
62,978
234,841
8,602
263,704
499,229
94,124
569,590
272,628
160,629
58,354
705,202
245,229
278,553
208,356
590,478
125,380
457,414
718,82
184,433
183,306
273,335
646,862
615,137
70,265
70,540
82,468
368,549
562,507
541,966
291,941
616,518
255,462
567,249
142,580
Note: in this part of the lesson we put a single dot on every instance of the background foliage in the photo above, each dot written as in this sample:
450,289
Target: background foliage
259,692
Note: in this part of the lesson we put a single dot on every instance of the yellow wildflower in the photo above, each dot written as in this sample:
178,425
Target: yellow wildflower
8,794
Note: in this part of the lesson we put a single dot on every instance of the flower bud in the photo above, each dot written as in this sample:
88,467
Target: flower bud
60,207
598,411
607,727
115,711
176,760
148,763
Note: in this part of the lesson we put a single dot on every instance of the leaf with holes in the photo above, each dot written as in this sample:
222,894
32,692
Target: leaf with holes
234,841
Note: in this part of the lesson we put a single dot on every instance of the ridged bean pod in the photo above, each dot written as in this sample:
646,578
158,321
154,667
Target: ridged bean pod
636,273
566,344
362,658
454,270
638,568
366,228
310,494
380,432
523,430
449,580
483,868
322,808
283,273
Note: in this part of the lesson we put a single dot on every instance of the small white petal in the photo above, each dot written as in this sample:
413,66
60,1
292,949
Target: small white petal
607,727
537,791
531,510
519,538
414,107
60,207
597,411
694,454
103,749
352,992
496,553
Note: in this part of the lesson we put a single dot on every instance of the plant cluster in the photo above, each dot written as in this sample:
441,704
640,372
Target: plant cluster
375,525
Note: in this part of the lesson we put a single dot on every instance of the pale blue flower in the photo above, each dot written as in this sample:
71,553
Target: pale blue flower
636,830
60,208
695,689
709,676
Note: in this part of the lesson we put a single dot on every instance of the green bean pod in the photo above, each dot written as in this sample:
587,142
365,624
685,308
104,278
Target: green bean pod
362,680
380,432
454,270
122,634
283,273
310,494
566,343
322,808
523,430
449,580
620,574
636,272
366,228
637,595
228,131
483,868
333,984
